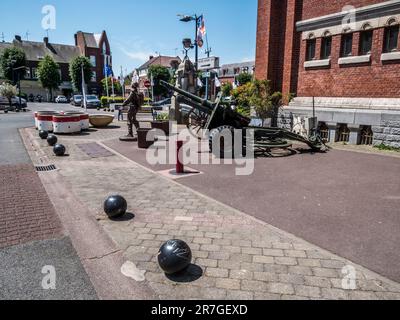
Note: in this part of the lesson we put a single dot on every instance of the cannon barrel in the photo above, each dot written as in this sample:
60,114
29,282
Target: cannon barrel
202,102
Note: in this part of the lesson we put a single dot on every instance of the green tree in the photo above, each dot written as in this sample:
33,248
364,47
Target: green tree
75,71
10,59
242,96
8,91
49,75
117,85
159,73
266,104
227,89
244,78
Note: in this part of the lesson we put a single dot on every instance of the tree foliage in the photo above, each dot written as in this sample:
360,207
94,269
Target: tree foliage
6,63
244,78
8,91
227,89
117,85
75,71
159,73
258,94
49,75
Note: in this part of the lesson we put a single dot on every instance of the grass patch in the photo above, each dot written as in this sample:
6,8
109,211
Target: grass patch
386,148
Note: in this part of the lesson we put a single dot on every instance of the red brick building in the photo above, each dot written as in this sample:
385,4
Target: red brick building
345,54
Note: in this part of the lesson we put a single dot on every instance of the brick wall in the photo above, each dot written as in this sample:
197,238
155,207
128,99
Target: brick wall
281,54
317,8
374,79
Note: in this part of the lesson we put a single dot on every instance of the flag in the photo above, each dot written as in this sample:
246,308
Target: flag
135,77
234,85
199,82
201,32
108,71
217,82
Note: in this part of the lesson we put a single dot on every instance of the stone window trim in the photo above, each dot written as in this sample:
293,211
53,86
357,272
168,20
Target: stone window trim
322,63
354,59
390,56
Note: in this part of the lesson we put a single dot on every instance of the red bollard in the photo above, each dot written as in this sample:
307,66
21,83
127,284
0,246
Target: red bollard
179,166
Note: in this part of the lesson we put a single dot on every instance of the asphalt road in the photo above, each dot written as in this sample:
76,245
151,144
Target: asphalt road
21,265
345,202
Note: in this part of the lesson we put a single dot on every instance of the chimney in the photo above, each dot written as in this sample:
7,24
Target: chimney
18,38
151,57
46,41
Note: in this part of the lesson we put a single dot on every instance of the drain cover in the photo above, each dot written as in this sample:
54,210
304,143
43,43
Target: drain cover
51,167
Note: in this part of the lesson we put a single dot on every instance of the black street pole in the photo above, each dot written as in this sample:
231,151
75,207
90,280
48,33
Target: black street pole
196,58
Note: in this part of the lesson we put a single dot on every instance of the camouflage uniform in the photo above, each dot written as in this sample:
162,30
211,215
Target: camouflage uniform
135,102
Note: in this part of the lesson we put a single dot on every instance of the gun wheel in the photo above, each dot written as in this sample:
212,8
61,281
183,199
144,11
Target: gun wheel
197,121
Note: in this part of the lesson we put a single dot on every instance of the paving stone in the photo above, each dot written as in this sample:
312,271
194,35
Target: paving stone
286,261
241,274
240,295
306,291
325,272
252,266
219,255
306,271
295,253
334,264
230,284
309,262
281,288
317,282
213,293
217,272
265,276
255,251
273,252
263,259
202,240
291,278
282,245
210,247
334,294
232,249
253,285
265,296
207,262
362,295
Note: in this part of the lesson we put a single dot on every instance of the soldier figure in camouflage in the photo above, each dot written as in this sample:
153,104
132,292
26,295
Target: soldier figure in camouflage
135,102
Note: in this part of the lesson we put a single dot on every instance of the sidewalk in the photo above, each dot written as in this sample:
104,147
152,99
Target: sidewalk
241,257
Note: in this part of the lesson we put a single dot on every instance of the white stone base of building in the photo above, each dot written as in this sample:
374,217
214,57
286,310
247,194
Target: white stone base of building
380,114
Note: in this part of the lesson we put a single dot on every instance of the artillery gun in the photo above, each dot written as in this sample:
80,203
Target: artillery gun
215,118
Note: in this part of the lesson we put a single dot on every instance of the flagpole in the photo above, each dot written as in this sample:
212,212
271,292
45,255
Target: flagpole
106,74
83,89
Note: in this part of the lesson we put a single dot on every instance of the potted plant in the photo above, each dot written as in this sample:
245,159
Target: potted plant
161,122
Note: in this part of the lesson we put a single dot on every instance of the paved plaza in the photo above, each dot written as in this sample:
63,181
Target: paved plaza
236,254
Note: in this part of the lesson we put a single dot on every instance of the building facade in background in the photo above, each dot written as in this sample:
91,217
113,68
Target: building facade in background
342,57
229,72
94,46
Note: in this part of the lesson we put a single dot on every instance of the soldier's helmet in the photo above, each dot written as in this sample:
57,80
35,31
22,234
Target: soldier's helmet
135,85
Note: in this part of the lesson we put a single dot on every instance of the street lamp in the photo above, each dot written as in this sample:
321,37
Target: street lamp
196,18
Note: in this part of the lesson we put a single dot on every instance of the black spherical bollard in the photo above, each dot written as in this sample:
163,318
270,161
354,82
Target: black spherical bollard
174,256
52,140
59,150
115,206
43,134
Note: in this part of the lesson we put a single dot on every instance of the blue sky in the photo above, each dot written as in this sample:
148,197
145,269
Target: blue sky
139,28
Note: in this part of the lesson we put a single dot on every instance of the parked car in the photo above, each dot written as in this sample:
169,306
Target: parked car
76,100
61,99
92,102
4,104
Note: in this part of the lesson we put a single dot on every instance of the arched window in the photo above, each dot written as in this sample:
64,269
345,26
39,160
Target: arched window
391,37
310,47
326,45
